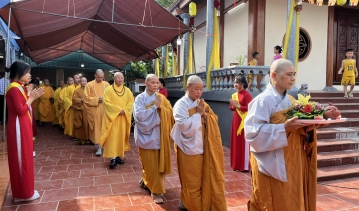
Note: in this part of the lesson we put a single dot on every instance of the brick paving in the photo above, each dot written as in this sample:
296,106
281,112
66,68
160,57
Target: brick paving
69,177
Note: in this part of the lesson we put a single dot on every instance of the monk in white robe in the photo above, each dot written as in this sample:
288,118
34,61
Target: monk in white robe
283,161
69,111
94,107
153,122
116,123
200,156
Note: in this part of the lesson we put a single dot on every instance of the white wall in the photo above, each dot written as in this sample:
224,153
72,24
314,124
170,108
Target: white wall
235,34
314,20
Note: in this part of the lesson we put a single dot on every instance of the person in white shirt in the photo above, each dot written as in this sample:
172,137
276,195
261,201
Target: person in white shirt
6,82
199,149
152,113
283,160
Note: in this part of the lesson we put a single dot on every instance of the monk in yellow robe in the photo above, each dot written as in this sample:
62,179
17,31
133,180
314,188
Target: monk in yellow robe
153,122
93,101
283,151
116,123
56,103
69,112
70,81
46,104
81,125
199,149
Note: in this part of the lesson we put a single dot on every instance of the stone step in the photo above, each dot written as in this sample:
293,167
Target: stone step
344,106
329,94
351,122
338,133
334,100
350,113
337,172
338,158
332,145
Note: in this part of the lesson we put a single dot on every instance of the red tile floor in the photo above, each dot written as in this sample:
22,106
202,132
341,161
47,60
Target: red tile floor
69,177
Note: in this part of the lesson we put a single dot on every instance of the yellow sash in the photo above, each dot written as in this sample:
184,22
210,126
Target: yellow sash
15,84
243,115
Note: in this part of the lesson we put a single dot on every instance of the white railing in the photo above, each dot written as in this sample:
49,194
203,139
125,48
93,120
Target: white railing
222,79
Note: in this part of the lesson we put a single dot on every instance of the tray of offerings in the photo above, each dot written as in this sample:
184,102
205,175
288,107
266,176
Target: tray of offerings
322,121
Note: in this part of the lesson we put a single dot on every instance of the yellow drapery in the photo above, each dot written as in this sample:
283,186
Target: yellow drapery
243,115
189,65
157,66
174,64
165,65
21,88
214,62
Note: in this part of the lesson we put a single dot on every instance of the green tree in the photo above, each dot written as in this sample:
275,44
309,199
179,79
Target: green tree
165,3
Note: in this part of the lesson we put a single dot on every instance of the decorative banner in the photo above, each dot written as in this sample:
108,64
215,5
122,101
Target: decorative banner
353,2
319,2
331,2
157,66
189,65
174,64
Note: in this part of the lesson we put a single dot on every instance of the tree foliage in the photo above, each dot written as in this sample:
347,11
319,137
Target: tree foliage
165,3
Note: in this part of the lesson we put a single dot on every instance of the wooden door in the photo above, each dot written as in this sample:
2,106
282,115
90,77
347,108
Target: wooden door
347,36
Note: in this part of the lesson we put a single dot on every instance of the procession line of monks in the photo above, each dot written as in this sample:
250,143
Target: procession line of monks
278,183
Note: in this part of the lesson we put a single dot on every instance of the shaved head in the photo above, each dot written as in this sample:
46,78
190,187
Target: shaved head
194,79
151,76
118,74
99,71
99,75
280,65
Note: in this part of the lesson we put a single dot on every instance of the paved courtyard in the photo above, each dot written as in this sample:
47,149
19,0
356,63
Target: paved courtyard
69,177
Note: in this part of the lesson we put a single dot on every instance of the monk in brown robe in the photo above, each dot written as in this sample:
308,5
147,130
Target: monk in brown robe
283,151
93,101
81,125
200,157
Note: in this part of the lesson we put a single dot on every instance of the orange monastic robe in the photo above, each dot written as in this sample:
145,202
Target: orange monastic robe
81,125
61,106
94,109
299,193
115,132
69,112
36,108
46,108
56,105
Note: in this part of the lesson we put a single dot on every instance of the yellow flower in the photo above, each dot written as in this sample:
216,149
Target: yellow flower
303,100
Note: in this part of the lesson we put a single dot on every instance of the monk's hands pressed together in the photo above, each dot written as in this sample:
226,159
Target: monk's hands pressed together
100,100
293,124
234,103
200,107
158,101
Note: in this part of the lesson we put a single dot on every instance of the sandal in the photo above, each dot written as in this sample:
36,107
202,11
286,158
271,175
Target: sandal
142,183
157,198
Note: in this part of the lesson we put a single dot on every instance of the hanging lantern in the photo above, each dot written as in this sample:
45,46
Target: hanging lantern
319,2
192,9
353,2
331,2
311,1
341,2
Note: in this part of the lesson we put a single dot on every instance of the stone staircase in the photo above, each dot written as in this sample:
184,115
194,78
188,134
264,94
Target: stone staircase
338,144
